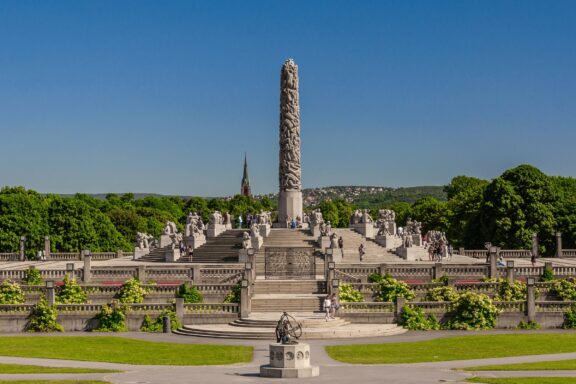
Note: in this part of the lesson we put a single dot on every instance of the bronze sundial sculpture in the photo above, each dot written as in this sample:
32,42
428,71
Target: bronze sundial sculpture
288,330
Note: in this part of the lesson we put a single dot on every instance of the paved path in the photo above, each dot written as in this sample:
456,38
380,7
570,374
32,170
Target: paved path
330,371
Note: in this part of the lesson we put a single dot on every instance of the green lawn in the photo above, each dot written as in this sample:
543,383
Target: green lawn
53,382
455,348
539,366
16,368
523,380
122,350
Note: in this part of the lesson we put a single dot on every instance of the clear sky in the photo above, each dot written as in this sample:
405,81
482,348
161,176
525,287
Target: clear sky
166,96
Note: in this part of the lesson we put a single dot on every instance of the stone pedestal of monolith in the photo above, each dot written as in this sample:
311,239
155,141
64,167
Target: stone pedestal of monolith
417,240
315,230
172,254
139,252
289,361
215,230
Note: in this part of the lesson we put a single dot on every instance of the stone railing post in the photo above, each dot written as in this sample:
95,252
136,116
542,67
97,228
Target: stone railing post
119,253
330,277
400,303
548,265
510,271
535,244
328,259
195,274
47,247
179,309
245,299
530,299
558,244
141,273
382,269
22,252
87,268
437,270
50,294
461,251
335,287
492,258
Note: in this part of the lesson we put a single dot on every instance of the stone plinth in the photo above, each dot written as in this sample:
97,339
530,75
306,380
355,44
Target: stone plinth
289,206
139,252
165,240
410,254
257,242
289,361
324,242
337,255
194,241
417,240
215,230
243,256
172,255
264,230
315,230
365,229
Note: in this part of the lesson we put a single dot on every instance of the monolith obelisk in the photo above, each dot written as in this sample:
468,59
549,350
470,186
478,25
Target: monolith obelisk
290,197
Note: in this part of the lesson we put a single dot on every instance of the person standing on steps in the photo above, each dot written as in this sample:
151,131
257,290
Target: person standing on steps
341,245
335,304
361,251
327,307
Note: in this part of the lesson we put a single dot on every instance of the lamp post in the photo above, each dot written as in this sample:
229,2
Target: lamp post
22,248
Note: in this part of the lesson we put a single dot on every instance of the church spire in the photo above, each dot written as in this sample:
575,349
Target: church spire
245,188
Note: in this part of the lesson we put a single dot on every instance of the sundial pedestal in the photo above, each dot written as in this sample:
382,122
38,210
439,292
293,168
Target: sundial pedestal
290,361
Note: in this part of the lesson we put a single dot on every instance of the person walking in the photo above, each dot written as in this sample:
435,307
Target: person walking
533,259
327,307
335,305
239,221
361,251
341,245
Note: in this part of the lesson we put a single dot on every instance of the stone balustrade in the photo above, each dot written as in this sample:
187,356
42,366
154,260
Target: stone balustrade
366,307
204,308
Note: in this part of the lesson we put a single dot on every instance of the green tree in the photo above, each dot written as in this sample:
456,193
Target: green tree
432,213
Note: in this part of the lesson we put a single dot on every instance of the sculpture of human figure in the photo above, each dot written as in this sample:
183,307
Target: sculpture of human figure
246,240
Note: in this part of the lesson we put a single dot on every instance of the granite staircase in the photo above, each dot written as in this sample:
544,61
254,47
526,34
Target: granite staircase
375,253
156,255
221,249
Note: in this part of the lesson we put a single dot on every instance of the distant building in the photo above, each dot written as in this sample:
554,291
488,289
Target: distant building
245,188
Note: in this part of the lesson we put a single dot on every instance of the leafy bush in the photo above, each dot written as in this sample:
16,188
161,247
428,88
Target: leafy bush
570,318
528,325
564,289
11,293
111,319
444,293
444,279
189,293
44,318
473,311
70,292
234,295
348,294
32,276
389,289
511,292
547,275
158,325
415,319
131,292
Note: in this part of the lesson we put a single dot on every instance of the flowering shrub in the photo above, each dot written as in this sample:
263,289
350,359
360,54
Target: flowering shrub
444,293
111,319
415,320
132,292
389,288
189,293
11,293
32,277
473,311
158,325
234,295
564,289
70,292
44,318
348,294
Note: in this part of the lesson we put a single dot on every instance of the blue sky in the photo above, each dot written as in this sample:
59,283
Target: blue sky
166,96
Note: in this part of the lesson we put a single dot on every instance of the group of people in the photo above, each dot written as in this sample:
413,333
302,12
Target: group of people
331,306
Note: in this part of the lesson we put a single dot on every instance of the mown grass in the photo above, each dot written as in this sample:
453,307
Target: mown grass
560,365
455,348
523,380
18,368
53,382
123,350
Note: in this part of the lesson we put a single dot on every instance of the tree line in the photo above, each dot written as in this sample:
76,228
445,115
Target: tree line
505,211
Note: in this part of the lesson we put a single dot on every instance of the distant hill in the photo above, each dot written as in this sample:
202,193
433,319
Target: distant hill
361,196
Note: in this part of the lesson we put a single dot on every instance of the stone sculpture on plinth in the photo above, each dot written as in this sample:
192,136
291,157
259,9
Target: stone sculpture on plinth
288,357
290,197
